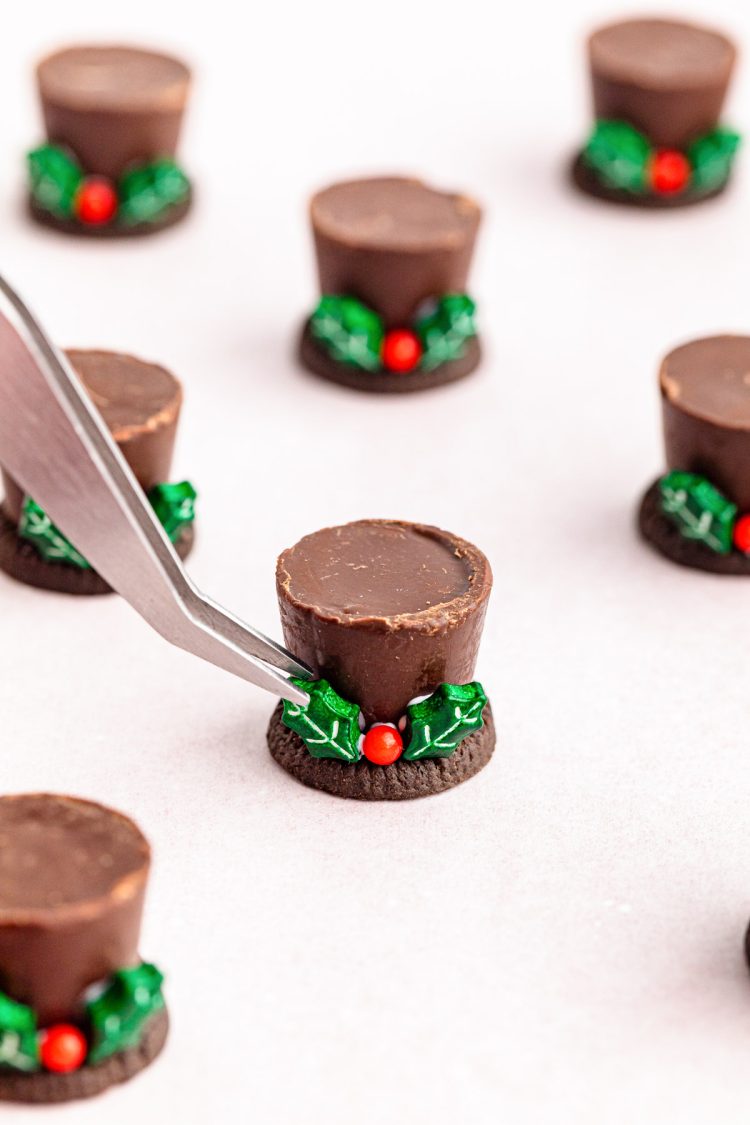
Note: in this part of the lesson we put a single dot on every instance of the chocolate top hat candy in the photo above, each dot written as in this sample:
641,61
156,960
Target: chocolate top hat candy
113,117
658,91
697,513
393,261
389,616
140,402
72,883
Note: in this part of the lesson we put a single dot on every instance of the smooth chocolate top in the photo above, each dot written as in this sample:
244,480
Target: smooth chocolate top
393,213
113,78
710,379
61,852
132,396
383,570
660,53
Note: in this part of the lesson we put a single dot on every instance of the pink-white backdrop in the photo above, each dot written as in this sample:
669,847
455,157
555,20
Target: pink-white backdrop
558,941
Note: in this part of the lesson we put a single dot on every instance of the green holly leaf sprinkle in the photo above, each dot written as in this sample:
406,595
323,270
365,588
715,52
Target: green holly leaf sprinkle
439,723
19,1044
711,158
620,155
700,511
54,179
147,192
349,331
118,1016
174,505
36,526
444,332
328,725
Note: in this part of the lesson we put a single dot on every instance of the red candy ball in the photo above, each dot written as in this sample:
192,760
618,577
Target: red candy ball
95,201
670,172
382,745
741,535
402,350
63,1048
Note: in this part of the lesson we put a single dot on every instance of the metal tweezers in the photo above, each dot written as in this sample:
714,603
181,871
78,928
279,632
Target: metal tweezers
55,444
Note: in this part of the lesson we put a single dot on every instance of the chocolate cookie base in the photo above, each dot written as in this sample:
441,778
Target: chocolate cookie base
589,183
20,560
44,1087
663,534
364,781
171,217
316,359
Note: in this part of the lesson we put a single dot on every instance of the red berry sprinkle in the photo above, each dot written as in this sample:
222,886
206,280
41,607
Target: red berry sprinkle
382,745
741,535
63,1048
402,350
670,172
96,201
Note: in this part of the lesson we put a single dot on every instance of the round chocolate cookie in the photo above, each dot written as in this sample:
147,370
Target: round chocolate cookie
170,218
20,560
364,781
586,180
663,534
316,359
45,1087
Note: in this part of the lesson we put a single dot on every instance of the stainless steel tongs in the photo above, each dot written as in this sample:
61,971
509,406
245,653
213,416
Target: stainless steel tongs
56,445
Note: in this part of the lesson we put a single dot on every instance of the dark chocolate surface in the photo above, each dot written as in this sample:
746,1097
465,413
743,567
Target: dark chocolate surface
78,919
140,403
705,392
20,559
393,242
57,851
664,535
375,569
316,359
45,1088
118,78
667,78
364,781
113,107
395,610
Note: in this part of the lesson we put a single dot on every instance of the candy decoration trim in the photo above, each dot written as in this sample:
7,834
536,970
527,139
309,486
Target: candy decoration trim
174,505
144,194
327,724
114,1022
625,160
354,334
19,1043
700,511
438,724
118,1016
332,727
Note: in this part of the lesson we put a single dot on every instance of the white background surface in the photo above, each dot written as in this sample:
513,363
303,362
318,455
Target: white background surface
559,940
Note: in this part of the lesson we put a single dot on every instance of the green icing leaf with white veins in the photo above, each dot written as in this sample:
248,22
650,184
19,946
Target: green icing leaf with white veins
36,526
54,179
119,1015
441,722
700,511
328,725
620,155
711,158
349,331
445,331
19,1044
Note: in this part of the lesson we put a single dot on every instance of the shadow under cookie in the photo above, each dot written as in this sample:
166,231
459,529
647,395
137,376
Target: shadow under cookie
20,559
316,359
44,1087
363,781
665,536
589,183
